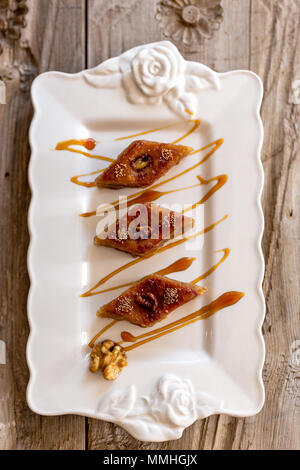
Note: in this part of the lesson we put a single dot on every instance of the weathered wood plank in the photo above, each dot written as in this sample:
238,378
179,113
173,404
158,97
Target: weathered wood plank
52,39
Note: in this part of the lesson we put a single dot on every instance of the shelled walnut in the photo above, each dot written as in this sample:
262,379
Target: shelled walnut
109,357
142,162
147,300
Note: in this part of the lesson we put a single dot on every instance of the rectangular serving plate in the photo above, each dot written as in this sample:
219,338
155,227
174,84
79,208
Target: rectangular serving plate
221,356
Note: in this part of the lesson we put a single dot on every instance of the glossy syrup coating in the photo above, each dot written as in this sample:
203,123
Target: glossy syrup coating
159,226
141,164
150,300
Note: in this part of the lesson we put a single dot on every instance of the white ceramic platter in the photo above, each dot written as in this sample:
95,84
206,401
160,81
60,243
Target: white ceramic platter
212,366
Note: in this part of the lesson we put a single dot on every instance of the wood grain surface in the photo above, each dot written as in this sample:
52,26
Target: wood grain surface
68,35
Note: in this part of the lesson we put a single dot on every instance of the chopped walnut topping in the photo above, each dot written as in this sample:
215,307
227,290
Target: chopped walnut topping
166,154
142,162
109,357
170,295
147,300
124,305
119,170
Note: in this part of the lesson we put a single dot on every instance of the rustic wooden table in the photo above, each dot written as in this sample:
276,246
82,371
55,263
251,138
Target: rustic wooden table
68,35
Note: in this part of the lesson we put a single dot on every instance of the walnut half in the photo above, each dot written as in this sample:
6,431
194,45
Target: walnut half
142,162
147,300
109,357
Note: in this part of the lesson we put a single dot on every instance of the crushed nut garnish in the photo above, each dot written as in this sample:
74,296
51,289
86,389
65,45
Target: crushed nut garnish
147,300
119,170
166,154
142,162
109,357
170,295
124,305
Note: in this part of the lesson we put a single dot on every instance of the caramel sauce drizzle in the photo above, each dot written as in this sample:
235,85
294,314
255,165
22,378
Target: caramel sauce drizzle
180,265
89,144
196,125
225,300
216,144
184,263
226,252
110,325
162,249
221,180
86,184
146,196
141,196
149,195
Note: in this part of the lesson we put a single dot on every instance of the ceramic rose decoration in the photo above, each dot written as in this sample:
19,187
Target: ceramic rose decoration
154,74
166,412
174,401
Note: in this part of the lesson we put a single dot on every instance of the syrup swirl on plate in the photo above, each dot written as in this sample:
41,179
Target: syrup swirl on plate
92,291
149,195
225,300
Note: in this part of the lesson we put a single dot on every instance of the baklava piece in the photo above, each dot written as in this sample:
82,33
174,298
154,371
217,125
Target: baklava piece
150,300
141,163
149,227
